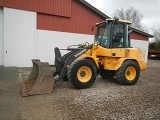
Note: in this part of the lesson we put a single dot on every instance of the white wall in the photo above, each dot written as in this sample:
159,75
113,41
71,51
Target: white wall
1,37
48,40
19,37
23,42
142,45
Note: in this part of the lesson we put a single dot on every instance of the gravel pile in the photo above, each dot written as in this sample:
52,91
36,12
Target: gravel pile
105,100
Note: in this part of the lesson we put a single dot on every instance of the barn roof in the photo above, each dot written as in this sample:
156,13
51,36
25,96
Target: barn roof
54,9
141,32
93,8
105,16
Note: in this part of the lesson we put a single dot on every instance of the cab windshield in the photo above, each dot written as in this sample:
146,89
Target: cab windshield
102,34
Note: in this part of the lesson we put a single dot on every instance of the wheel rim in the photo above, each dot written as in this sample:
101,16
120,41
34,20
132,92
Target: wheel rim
84,74
130,73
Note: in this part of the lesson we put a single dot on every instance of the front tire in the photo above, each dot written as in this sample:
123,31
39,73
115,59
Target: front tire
82,74
128,73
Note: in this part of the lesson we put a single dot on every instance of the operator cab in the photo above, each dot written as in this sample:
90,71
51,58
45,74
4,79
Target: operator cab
113,33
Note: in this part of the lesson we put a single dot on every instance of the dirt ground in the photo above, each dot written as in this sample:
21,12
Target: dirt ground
105,100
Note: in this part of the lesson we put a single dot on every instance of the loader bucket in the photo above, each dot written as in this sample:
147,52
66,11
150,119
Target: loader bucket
40,80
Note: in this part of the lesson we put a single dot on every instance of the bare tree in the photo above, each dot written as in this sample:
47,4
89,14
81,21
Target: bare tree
155,46
130,14
156,33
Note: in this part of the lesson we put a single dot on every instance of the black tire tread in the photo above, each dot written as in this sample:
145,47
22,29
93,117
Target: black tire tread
77,84
120,73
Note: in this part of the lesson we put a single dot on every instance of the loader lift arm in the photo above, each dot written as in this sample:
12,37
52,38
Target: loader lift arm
61,63
41,79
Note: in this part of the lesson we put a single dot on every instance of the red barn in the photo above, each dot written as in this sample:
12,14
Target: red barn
31,29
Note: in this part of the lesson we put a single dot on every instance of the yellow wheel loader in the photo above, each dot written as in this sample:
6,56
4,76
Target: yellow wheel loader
111,55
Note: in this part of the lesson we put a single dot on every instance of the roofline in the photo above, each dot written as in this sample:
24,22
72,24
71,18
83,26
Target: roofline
107,17
93,8
141,32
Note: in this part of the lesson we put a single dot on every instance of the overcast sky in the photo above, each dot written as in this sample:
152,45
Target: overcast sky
150,9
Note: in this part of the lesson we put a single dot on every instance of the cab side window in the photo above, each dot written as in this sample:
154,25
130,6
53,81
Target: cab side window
102,36
118,36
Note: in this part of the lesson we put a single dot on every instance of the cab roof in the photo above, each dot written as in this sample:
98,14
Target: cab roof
114,19
120,20
129,27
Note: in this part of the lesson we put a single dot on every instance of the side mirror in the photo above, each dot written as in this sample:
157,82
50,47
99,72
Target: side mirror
92,28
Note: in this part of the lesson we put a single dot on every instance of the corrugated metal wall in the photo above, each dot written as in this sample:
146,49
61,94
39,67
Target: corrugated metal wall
53,7
23,42
137,36
48,40
81,21
19,37
1,37
142,45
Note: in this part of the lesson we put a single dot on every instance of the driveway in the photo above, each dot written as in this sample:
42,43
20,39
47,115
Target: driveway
9,94
105,100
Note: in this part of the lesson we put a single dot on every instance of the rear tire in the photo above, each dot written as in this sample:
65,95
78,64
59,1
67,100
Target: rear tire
128,73
82,74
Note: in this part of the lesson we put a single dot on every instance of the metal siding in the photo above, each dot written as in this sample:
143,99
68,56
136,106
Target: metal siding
48,40
81,20
19,37
137,36
1,37
142,45
53,7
